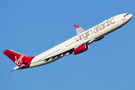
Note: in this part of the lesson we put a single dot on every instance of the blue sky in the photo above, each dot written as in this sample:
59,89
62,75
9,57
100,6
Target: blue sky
34,26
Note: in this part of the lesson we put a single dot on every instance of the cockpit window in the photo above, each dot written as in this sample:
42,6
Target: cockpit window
125,15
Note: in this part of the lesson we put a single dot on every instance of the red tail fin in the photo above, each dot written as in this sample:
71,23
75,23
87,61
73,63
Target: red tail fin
18,58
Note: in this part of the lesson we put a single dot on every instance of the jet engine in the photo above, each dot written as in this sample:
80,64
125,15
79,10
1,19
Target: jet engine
81,49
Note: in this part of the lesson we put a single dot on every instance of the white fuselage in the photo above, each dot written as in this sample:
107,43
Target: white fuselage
87,36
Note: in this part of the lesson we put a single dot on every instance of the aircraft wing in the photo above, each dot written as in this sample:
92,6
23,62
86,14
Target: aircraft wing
55,55
59,53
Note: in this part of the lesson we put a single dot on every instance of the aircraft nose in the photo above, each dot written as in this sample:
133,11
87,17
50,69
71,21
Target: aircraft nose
130,16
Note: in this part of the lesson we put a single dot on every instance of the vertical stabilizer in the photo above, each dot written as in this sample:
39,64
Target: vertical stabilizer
19,59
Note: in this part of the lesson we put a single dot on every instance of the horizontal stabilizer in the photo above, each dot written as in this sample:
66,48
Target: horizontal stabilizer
9,72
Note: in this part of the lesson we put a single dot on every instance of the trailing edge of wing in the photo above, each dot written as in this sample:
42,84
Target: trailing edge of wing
79,29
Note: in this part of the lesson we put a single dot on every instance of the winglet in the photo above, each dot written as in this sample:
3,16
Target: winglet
76,26
79,29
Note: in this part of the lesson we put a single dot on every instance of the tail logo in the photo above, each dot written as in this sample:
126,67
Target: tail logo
19,60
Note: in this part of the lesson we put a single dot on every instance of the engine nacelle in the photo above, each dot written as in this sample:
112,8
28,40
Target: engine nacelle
81,49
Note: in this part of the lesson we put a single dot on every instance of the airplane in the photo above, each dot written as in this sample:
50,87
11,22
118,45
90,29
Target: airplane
74,45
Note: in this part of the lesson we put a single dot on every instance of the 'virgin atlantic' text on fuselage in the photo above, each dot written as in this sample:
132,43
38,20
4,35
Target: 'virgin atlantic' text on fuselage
95,29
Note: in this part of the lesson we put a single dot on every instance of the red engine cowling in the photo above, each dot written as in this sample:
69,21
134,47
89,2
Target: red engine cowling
80,49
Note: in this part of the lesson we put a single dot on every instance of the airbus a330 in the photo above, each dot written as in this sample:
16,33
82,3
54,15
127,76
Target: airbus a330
74,45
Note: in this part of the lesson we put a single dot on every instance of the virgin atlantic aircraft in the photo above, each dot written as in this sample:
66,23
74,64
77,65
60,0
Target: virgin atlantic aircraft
75,45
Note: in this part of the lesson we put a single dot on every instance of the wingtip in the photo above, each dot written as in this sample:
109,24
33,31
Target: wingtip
76,26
